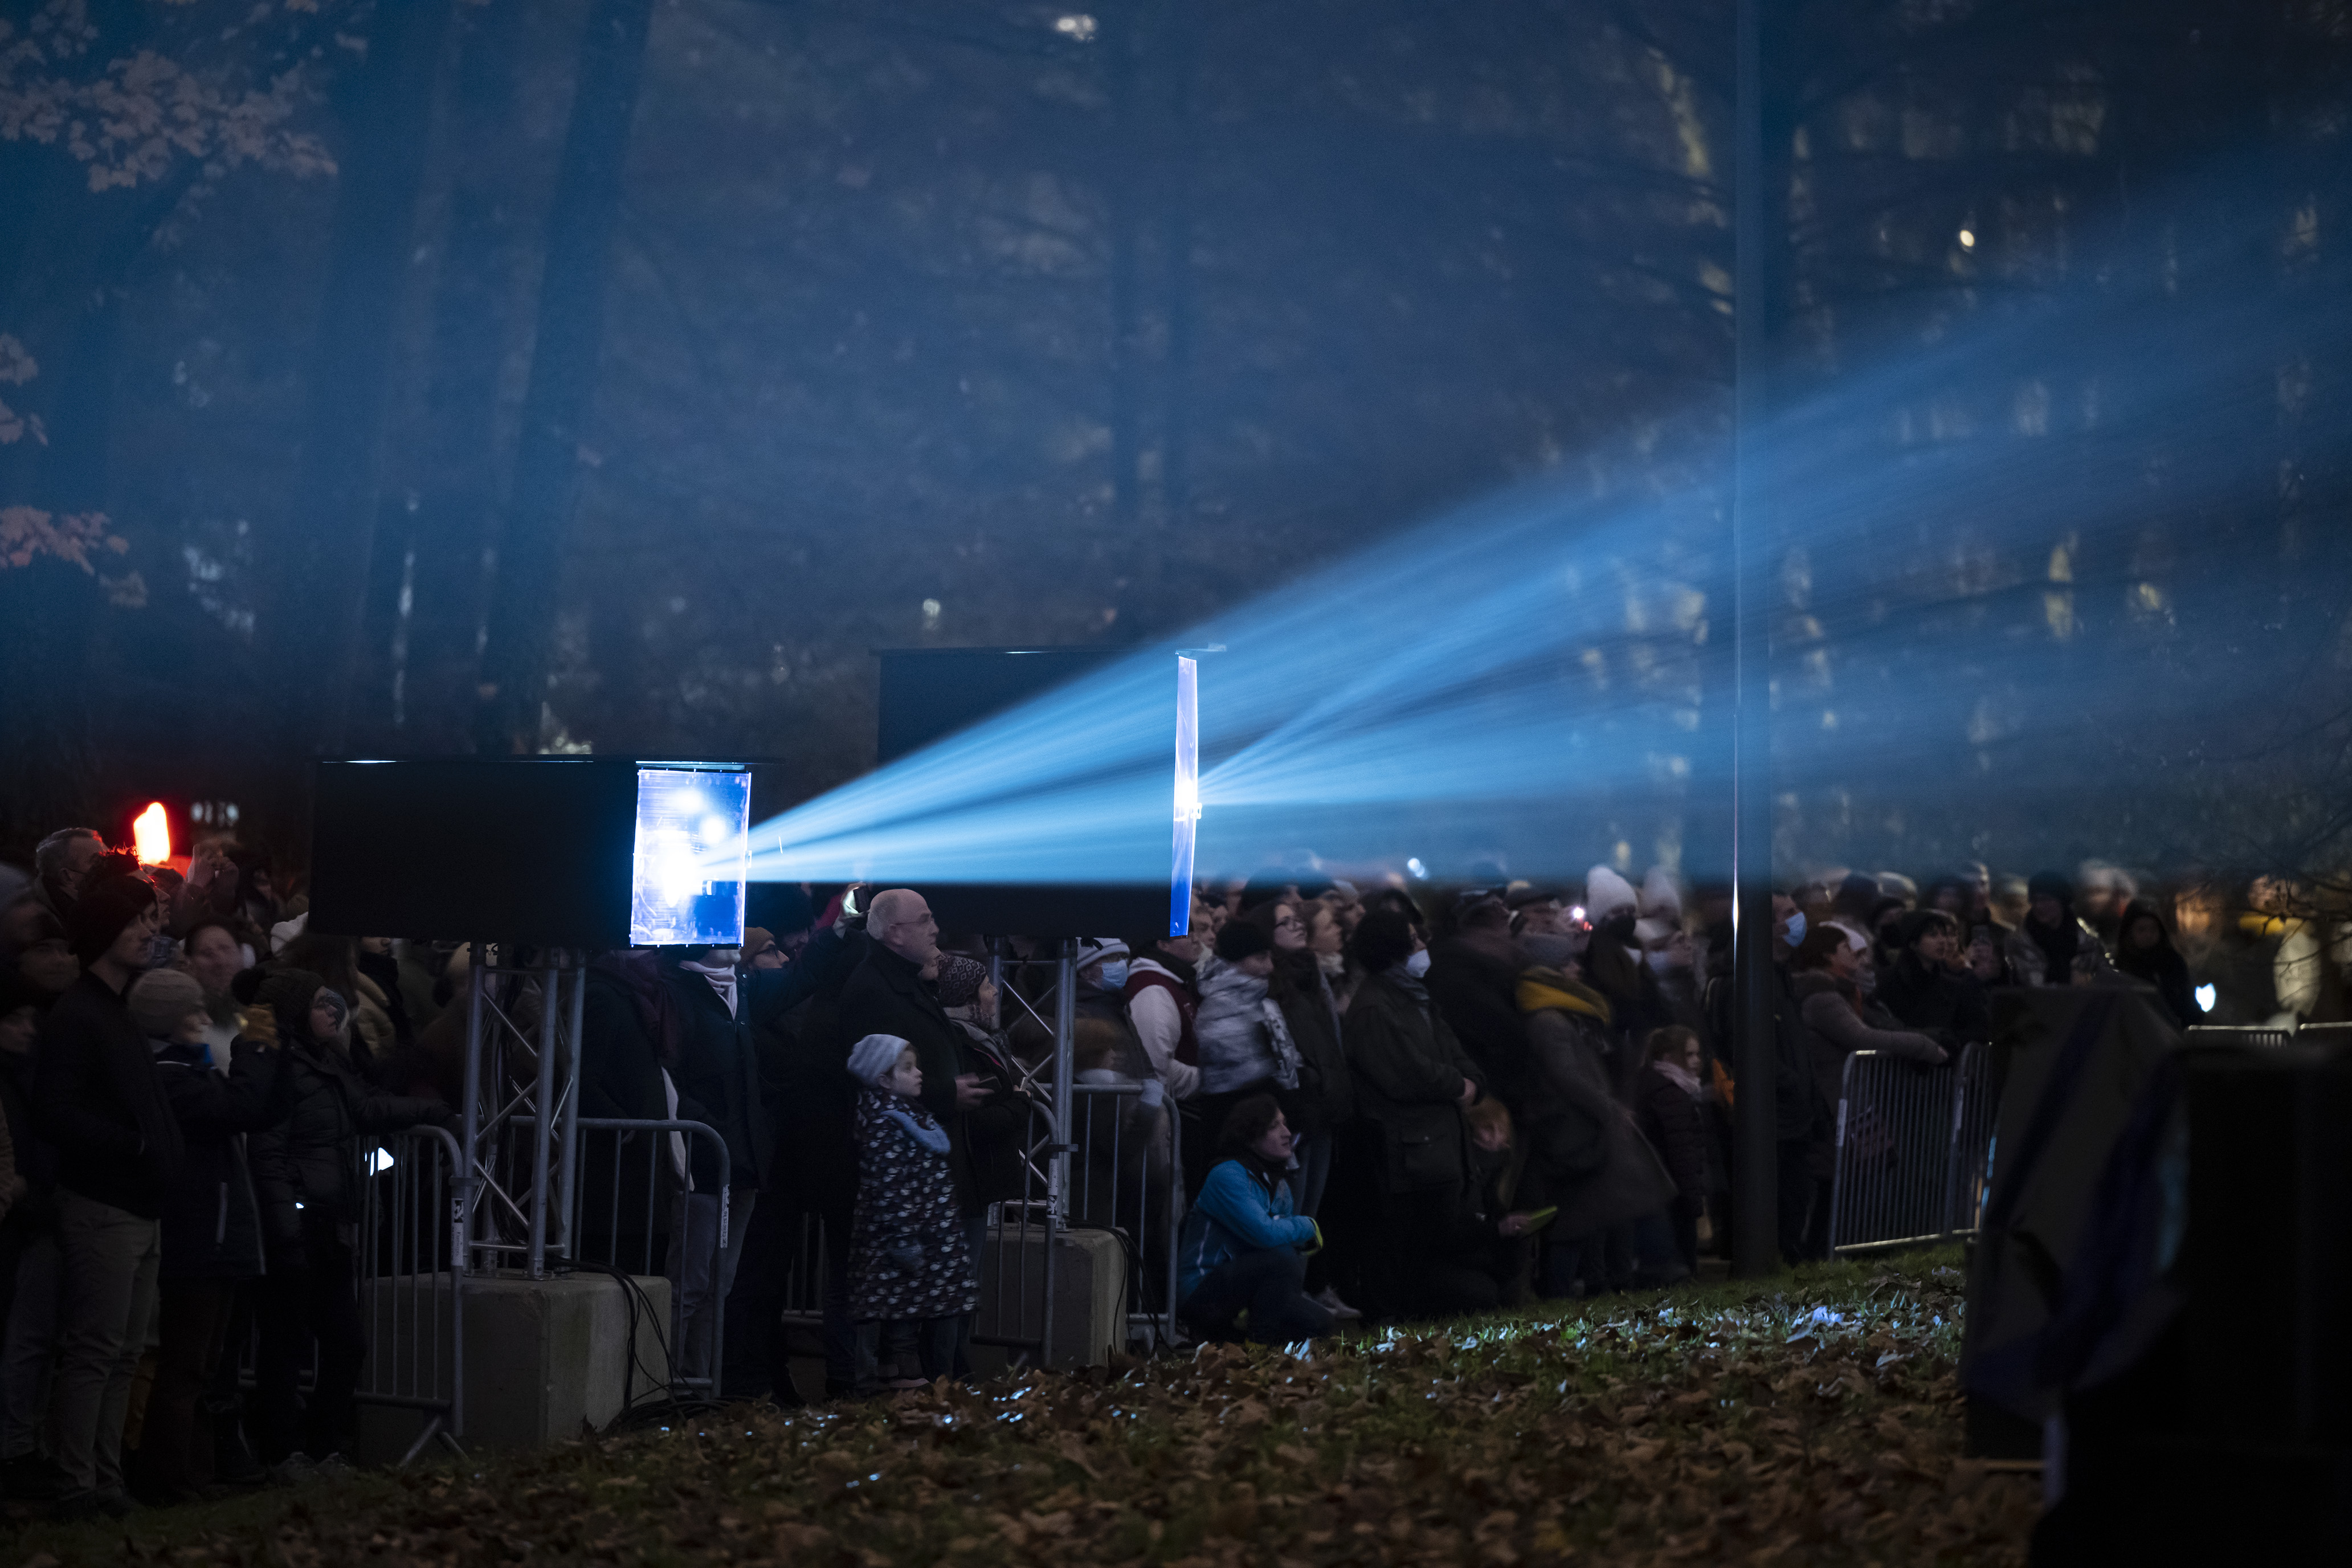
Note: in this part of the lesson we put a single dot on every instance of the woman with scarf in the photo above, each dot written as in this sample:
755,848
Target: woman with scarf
2053,946
2144,951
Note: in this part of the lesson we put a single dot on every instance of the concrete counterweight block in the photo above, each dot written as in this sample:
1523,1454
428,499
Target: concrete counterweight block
1089,1292
542,1358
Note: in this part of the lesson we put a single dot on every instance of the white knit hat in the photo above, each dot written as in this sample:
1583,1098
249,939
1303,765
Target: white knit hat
1605,894
873,1056
1661,906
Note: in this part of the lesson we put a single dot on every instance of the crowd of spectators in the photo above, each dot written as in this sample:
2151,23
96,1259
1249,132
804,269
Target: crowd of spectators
1392,1103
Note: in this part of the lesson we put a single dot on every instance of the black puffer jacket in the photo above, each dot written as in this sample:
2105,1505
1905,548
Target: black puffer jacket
307,1167
212,1217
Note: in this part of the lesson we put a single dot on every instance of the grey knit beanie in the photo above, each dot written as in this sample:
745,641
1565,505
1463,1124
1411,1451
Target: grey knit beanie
874,1056
161,1001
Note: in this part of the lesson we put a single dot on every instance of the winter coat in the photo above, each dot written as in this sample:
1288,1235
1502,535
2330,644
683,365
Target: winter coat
1840,1029
1473,981
1244,1039
1237,1212
1632,1182
2160,966
1933,999
626,1178
1581,1141
995,1131
97,1097
887,995
716,1069
1669,1118
2029,953
212,1220
908,1256
1567,1104
1161,1007
1327,1089
30,1154
307,1167
8,1171
1408,1078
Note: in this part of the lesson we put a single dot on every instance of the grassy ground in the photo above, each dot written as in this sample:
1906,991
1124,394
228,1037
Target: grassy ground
1812,1420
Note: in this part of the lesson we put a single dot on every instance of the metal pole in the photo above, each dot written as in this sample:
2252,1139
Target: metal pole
542,1130
470,1180
1065,1013
1755,1242
568,1172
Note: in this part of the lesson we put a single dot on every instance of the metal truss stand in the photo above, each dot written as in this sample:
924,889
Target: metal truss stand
520,1131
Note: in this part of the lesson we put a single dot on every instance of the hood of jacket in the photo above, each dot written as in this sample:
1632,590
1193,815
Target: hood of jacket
1230,986
1542,988
1811,983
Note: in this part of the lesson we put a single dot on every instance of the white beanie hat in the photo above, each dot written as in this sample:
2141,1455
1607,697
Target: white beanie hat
874,1056
1606,893
1661,906
1094,950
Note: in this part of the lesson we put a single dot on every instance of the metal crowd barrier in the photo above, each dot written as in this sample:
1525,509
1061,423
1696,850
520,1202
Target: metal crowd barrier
1019,1253
1127,1177
1914,1148
2268,1035
625,1210
412,1243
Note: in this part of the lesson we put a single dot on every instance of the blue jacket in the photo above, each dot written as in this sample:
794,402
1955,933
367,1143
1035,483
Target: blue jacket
1235,1214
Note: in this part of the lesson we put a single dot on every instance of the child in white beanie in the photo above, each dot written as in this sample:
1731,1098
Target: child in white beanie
910,1260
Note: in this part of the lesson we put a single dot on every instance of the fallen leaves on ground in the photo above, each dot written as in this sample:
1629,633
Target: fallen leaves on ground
1818,1421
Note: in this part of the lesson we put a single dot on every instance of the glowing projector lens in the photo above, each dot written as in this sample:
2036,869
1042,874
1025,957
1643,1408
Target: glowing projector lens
1188,794
678,895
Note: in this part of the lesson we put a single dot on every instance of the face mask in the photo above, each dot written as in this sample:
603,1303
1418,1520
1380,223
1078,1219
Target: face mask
1794,932
1113,974
1418,964
1660,961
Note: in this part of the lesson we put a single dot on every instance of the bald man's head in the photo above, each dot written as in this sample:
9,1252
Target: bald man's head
900,921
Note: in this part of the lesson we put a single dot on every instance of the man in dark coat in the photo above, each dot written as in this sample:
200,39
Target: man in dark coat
890,993
1473,979
118,1154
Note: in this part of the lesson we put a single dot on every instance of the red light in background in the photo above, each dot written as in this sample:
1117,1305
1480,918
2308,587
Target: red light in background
151,832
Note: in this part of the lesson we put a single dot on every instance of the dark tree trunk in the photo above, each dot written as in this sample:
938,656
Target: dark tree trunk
430,634
326,550
561,394
1127,203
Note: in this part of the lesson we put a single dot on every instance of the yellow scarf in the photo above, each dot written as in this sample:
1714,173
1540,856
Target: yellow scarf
1542,988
